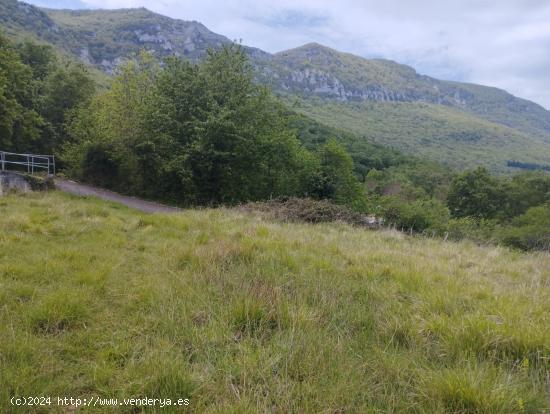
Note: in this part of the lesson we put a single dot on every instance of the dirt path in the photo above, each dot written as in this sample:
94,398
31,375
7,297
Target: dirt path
133,202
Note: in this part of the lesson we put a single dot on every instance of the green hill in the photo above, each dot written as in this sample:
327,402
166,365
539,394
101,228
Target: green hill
242,314
430,131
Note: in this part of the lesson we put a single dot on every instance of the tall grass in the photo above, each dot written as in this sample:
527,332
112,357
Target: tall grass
241,314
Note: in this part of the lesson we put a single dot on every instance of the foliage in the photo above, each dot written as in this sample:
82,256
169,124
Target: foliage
202,134
475,194
523,191
366,154
337,180
461,125
530,230
418,215
472,204
527,165
434,132
479,230
36,95
20,124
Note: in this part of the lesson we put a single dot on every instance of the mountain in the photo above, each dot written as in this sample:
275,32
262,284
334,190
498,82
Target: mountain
316,70
460,124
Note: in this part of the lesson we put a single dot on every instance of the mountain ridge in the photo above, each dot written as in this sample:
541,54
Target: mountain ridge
382,80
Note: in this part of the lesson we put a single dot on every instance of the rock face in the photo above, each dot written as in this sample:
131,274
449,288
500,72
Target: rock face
314,70
13,181
105,38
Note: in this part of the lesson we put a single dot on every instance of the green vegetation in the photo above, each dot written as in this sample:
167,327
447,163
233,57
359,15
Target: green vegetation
36,96
426,198
248,309
103,38
206,134
314,70
366,154
201,134
241,314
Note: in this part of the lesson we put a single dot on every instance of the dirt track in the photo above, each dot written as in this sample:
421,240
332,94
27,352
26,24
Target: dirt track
75,188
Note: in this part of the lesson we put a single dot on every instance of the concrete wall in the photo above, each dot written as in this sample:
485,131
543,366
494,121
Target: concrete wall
12,181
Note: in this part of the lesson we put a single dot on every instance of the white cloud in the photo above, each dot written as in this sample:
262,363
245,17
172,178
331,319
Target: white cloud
501,44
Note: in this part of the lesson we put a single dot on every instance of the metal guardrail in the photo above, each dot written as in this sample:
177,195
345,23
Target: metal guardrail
31,162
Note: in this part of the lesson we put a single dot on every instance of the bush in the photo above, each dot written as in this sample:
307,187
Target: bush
417,215
100,165
471,228
530,231
40,183
307,210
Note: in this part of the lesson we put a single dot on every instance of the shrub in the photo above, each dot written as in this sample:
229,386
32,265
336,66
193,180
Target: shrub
100,165
416,215
529,231
307,210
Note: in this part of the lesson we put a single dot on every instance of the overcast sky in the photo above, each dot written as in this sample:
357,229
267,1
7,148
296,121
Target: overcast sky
503,43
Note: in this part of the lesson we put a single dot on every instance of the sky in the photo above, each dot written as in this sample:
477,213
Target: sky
504,43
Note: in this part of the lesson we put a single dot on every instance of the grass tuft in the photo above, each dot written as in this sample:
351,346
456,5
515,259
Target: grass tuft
58,312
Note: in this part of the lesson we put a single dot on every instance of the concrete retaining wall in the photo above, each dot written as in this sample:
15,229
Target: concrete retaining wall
13,181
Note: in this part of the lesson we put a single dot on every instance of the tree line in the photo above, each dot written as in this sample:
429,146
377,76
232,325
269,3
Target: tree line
206,134
512,210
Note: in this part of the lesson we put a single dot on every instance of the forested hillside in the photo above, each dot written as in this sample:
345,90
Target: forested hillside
437,132
462,125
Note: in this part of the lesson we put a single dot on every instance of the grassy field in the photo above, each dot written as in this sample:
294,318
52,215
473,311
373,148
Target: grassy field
240,314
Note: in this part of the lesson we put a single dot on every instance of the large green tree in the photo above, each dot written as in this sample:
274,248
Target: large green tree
197,133
475,194
338,181
36,94
20,124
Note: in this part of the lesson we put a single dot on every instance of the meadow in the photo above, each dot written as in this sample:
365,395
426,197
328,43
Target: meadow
242,314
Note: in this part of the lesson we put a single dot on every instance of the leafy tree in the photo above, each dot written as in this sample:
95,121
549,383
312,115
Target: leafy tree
417,215
475,194
338,180
20,124
36,94
199,134
64,90
40,58
524,191
529,231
